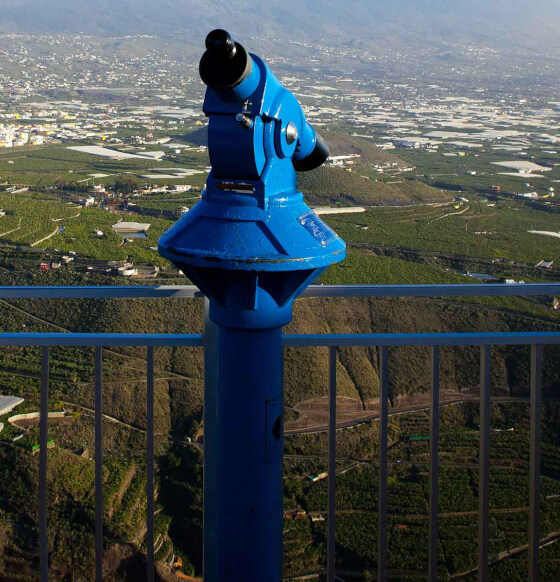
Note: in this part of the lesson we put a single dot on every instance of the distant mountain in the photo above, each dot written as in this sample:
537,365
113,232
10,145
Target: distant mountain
369,23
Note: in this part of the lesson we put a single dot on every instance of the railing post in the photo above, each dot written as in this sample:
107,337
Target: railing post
98,465
43,440
484,465
331,539
150,465
535,462
383,446
434,467
210,471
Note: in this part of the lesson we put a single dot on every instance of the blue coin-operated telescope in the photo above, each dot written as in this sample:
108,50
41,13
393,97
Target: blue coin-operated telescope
252,246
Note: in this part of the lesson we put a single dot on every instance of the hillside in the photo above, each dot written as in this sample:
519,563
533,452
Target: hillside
343,144
179,391
198,137
327,186
362,184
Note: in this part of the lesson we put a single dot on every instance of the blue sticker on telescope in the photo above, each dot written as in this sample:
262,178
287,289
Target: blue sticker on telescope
317,228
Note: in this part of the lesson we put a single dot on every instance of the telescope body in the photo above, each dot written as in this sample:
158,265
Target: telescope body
252,246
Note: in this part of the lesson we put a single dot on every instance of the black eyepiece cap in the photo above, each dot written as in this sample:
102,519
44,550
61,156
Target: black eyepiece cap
316,158
225,64
220,40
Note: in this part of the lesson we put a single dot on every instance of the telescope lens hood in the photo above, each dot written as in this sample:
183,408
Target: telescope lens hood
316,158
226,63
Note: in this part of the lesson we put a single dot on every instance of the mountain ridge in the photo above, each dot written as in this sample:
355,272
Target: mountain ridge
497,23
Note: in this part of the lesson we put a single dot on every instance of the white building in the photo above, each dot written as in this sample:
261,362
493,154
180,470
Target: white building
8,403
88,202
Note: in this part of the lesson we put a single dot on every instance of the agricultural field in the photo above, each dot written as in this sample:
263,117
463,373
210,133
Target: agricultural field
79,236
456,173
30,218
47,166
426,238
471,228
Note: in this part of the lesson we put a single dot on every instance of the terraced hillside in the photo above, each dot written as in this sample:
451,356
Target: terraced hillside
496,231
408,496
43,221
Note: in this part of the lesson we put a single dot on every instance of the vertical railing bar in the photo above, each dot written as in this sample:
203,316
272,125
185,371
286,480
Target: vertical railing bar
434,467
535,462
98,465
383,446
43,439
484,465
331,540
150,466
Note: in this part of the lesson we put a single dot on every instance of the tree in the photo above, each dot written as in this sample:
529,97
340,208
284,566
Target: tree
126,184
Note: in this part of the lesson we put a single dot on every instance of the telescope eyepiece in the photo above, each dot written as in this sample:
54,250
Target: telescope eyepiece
220,41
225,64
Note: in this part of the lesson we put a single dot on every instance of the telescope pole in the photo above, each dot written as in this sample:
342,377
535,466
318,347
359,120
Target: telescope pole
243,442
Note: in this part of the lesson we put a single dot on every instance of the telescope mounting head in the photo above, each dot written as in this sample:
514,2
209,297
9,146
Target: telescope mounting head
252,244
248,106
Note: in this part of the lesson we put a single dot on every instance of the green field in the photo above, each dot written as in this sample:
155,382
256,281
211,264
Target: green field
30,218
379,240
502,230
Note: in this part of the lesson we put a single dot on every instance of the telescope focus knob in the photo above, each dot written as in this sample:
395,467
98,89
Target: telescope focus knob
292,133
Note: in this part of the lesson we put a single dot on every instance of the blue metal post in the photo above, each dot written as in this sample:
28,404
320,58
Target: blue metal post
243,512
252,246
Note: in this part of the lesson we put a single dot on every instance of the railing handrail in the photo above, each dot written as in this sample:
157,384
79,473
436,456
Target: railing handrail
101,339
420,339
288,340
314,291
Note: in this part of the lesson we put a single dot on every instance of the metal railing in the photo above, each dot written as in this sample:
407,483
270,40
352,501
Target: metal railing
381,341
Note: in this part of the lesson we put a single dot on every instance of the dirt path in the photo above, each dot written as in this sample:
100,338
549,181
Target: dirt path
114,420
10,231
450,214
67,217
44,238
105,416
31,316
371,416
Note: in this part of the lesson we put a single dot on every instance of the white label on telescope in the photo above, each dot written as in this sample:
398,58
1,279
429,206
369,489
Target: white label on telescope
317,228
